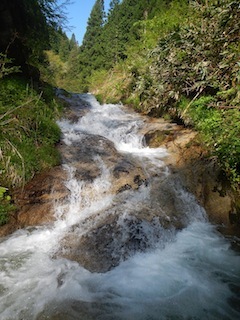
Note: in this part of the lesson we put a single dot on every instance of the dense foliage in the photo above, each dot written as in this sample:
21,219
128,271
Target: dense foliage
194,75
28,133
198,58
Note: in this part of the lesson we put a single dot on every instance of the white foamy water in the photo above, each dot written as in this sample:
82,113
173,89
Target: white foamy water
187,274
113,123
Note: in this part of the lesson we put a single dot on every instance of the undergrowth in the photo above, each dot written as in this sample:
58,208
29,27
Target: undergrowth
28,134
5,206
220,130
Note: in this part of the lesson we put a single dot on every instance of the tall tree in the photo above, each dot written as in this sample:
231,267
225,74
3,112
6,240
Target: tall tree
94,26
73,42
106,41
112,46
91,50
118,31
23,28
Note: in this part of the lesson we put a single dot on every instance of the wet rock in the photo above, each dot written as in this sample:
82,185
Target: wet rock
73,310
10,227
76,106
112,235
158,132
36,202
109,236
136,220
202,178
94,153
199,174
113,239
127,174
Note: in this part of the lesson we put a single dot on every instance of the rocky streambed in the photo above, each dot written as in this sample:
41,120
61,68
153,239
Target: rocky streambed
187,162
121,229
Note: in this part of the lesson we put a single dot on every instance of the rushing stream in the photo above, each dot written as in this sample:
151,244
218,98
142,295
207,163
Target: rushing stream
178,273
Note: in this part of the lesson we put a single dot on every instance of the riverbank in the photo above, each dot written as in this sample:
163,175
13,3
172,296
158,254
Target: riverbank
200,173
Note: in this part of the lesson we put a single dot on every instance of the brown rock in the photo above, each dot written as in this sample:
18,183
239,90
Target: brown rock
111,239
200,174
88,157
36,201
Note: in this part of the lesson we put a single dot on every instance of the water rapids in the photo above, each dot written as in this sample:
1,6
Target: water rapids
190,273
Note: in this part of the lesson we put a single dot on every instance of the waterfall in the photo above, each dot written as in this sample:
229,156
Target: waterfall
167,260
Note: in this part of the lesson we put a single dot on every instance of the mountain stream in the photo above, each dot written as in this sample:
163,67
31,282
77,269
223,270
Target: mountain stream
153,260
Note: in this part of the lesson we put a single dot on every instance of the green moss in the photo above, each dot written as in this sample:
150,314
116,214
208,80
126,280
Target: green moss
227,94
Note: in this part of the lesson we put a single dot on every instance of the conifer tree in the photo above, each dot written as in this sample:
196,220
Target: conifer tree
73,42
113,4
110,35
91,53
64,48
118,29
94,25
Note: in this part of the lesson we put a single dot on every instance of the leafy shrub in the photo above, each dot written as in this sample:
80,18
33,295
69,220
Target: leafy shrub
6,66
191,59
192,72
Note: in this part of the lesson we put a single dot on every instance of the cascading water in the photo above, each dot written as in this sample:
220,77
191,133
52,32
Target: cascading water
164,273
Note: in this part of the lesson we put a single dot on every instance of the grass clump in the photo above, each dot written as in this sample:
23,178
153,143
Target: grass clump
220,130
28,134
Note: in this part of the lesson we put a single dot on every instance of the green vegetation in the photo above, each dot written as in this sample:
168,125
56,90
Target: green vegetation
5,206
220,130
28,135
28,106
92,46
178,58
28,132
61,62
